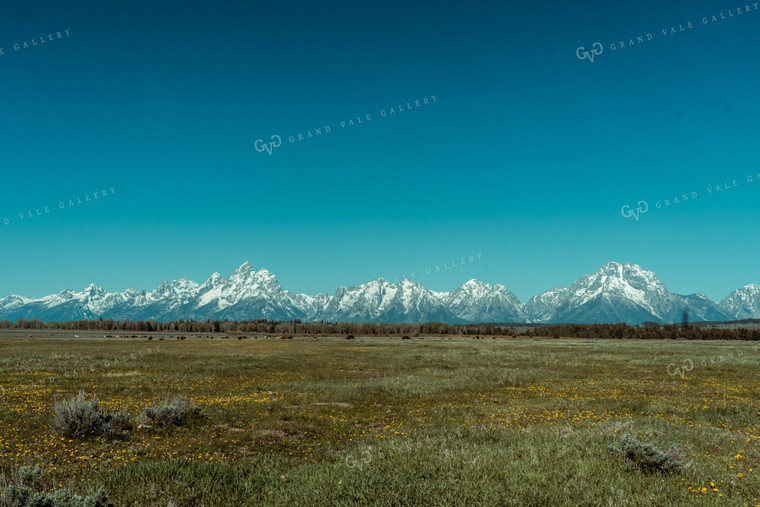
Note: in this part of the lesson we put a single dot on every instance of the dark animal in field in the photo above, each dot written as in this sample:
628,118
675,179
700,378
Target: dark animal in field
350,337
405,337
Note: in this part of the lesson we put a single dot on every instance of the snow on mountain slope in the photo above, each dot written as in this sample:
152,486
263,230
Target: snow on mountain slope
310,305
743,303
619,293
615,293
700,307
477,301
542,308
382,301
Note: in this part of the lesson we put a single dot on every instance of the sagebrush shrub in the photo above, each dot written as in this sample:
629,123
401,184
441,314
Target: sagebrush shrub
21,489
31,477
78,417
176,413
648,457
116,425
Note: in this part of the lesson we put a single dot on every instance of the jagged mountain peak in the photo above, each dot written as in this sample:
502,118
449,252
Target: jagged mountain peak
620,292
615,265
246,266
178,288
382,282
93,290
473,282
743,303
246,272
629,280
479,301
616,292
213,280
622,272
184,282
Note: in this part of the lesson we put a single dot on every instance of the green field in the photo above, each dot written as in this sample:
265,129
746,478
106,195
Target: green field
385,421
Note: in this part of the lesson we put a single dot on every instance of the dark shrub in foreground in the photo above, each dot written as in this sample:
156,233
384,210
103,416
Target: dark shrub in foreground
648,457
21,489
78,417
176,413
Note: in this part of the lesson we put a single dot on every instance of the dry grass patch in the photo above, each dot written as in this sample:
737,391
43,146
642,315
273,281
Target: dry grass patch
123,373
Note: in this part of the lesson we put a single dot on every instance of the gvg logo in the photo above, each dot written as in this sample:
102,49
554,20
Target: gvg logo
352,462
642,208
688,366
275,142
596,50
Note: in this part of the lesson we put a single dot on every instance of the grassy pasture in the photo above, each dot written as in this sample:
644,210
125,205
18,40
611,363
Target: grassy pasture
378,421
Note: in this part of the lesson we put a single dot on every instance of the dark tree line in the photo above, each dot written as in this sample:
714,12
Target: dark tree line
265,326
646,331
650,330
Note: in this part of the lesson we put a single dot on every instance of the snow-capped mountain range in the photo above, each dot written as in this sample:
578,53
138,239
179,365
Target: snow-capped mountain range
615,293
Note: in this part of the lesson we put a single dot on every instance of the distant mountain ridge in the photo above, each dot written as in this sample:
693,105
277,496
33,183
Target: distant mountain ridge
615,293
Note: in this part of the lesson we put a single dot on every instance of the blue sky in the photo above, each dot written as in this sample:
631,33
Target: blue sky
527,155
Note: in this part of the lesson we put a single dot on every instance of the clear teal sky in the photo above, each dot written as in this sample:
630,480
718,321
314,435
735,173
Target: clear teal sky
527,155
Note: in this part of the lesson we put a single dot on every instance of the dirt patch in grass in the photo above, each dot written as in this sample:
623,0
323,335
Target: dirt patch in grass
282,435
122,373
228,427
